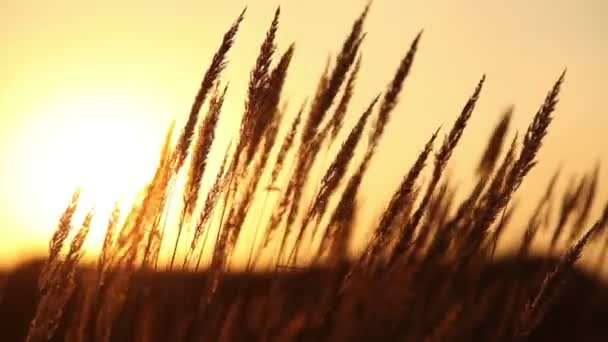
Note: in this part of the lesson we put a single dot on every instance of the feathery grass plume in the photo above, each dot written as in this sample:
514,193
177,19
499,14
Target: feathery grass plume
109,239
206,136
277,217
47,274
484,169
436,202
437,213
588,199
269,108
200,153
324,99
76,251
494,147
121,238
238,216
334,174
535,220
326,93
139,239
337,120
202,225
338,232
260,72
441,159
399,200
535,310
524,163
570,203
271,134
336,171
324,78
286,146
281,208
53,301
152,207
103,264
507,215
391,97
256,119
269,142
474,228
534,136
218,63
601,260
343,214
113,294
220,248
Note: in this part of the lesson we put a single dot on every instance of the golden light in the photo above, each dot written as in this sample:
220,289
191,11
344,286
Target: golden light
93,142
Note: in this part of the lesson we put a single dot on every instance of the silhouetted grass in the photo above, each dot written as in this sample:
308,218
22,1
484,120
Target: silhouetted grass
422,275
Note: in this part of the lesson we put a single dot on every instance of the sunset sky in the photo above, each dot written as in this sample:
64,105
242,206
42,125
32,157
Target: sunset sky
87,89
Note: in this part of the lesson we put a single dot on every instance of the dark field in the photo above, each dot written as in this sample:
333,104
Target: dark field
165,306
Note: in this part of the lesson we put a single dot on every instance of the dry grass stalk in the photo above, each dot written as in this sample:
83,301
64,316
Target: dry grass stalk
206,136
338,233
485,168
344,61
534,136
237,215
339,229
286,146
109,239
475,228
570,203
257,118
57,241
54,299
494,147
148,224
200,154
139,241
399,200
391,96
337,120
537,308
441,159
499,197
334,174
588,202
536,219
218,63
213,196
326,93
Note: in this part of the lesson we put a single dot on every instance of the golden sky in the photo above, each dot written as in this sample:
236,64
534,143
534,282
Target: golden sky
87,88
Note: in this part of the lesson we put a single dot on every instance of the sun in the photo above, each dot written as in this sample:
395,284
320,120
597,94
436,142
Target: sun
101,145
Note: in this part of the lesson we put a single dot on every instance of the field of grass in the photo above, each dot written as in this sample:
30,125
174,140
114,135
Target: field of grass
427,273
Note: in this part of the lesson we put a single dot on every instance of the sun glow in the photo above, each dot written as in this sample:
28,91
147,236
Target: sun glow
99,145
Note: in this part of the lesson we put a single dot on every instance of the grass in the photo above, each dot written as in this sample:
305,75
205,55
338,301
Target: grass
421,276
